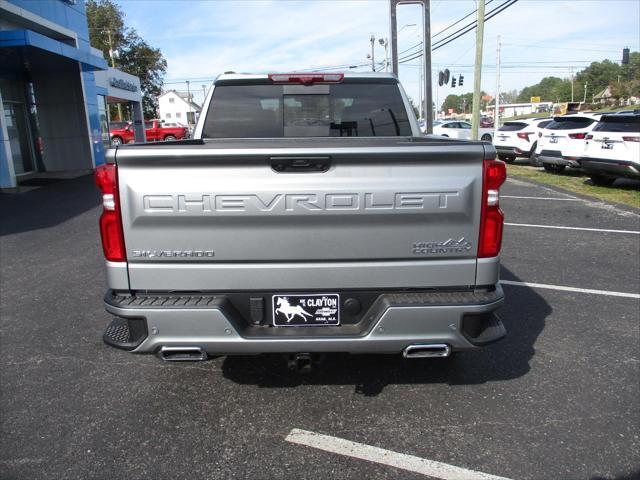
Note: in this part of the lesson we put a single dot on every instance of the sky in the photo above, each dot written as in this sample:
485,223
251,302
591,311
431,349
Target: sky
203,38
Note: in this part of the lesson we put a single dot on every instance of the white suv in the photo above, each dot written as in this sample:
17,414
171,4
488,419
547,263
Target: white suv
562,141
519,138
612,149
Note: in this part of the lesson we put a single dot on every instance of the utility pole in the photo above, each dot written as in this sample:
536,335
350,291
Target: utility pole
113,65
204,94
373,60
477,74
496,112
584,99
426,66
420,90
426,52
188,102
571,84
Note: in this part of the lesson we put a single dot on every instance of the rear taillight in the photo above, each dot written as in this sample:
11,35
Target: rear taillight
491,219
110,221
578,136
306,78
524,135
631,139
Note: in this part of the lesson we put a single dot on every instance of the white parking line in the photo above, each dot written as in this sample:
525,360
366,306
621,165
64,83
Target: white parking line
361,451
571,289
544,198
559,227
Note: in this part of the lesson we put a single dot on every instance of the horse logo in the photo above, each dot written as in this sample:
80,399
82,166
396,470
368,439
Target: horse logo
290,311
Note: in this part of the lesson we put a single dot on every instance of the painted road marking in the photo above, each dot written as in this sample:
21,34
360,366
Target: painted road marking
571,289
361,451
559,227
544,198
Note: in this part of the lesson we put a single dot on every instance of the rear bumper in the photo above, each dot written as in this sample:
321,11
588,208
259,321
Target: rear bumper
512,151
463,320
555,157
614,168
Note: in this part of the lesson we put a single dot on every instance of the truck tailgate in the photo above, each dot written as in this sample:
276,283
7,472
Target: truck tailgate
214,217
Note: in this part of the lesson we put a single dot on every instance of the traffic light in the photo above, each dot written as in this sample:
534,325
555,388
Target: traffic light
440,78
625,56
453,82
446,75
460,80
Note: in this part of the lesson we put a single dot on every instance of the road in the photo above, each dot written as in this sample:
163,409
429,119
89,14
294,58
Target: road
558,398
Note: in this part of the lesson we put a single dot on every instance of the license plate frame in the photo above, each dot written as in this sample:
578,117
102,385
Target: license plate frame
305,310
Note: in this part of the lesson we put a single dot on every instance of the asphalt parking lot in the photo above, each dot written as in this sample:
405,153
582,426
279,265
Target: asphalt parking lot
558,398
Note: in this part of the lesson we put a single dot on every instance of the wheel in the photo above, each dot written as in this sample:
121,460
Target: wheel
553,168
486,137
601,180
169,138
115,141
443,135
507,158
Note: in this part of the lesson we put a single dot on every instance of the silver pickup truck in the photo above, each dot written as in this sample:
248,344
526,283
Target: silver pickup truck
308,214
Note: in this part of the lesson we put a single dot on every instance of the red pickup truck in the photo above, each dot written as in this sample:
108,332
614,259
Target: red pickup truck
154,130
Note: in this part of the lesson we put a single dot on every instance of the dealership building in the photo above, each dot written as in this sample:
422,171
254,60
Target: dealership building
54,91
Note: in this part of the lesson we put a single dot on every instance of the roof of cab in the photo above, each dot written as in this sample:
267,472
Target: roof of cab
264,76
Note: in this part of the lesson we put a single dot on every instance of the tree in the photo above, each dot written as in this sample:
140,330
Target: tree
415,109
107,31
549,89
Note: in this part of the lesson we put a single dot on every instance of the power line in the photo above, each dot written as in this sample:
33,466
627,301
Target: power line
489,16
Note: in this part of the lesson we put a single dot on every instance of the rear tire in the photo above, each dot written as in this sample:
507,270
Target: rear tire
486,138
553,168
601,180
115,141
168,138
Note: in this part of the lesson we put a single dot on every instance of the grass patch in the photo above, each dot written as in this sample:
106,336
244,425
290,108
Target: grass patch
623,191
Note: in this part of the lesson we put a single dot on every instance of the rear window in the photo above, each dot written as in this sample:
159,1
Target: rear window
336,110
621,123
569,123
544,124
512,126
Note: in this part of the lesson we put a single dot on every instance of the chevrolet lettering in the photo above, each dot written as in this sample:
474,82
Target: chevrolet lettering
306,214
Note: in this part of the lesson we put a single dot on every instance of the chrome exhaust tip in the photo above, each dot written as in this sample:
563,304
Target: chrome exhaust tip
427,350
182,354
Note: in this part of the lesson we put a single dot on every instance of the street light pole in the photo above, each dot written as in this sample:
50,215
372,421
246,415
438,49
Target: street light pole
477,75
385,43
496,112
373,60
188,102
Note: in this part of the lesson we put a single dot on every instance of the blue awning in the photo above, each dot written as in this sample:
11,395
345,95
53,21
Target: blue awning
29,38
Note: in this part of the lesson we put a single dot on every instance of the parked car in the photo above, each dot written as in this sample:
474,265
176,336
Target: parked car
562,141
279,228
612,149
486,122
519,138
461,130
628,112
155,131
117,125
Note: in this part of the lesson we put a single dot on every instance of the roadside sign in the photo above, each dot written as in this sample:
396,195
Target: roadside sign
535,99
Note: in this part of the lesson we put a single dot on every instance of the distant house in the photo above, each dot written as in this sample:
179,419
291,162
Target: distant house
604,97
175,107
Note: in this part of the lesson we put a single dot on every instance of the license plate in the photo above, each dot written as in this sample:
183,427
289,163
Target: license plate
306,310
553,140
607,146
503,139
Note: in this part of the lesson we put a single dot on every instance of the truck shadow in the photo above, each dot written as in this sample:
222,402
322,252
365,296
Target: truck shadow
523,314
54,203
